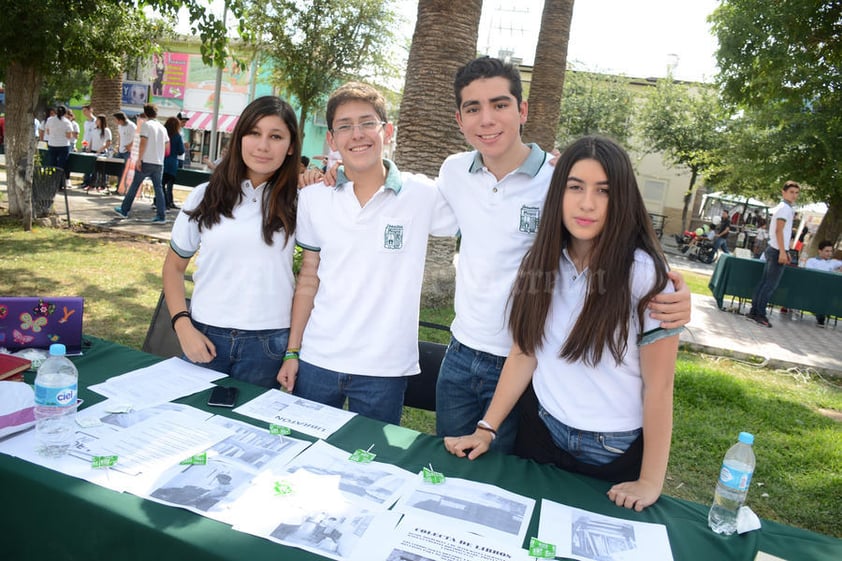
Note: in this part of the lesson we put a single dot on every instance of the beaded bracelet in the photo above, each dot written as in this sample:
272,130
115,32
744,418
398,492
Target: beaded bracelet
483,425
178,316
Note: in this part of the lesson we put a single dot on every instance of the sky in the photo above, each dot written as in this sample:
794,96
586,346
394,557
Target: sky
634,38
637,38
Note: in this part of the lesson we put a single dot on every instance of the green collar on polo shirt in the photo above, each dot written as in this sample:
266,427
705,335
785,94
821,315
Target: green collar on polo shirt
393,176
530,166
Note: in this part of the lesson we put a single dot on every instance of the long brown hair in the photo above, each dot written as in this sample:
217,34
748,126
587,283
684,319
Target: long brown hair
224,190
604,320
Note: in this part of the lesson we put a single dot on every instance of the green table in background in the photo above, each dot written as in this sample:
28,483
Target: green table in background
810,290
48,515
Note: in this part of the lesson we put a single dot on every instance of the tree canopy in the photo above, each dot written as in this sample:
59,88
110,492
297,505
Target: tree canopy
781,68
317,44
595,104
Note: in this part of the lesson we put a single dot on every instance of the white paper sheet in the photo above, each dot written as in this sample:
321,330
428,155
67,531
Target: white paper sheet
580,534
468,506
302,415
232,463
426,539
310,512
165,381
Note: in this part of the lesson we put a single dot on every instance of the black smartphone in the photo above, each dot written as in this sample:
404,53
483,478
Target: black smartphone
222,396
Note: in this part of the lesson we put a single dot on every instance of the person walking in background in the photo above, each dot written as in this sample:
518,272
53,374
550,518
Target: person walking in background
597,370
777,257
823,261
150,163
126,131
242,225
58,132
171,159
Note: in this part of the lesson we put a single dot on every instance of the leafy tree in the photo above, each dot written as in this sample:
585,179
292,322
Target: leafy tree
686,124
40,38
780,68
548,73
595,104
316,44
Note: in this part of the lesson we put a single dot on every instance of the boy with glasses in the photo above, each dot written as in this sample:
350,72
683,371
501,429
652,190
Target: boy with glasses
356,306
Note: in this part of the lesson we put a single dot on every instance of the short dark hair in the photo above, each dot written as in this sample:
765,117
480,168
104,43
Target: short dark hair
487,67
305,160
825,243
355,91
150,110
120,116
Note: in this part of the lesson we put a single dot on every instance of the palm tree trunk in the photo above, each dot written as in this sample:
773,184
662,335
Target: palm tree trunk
106,98
548,74
445,38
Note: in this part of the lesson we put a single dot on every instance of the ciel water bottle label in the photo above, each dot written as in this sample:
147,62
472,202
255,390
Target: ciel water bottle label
55,397
734,478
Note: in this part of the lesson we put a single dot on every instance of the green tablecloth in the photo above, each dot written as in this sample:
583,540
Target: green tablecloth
814,291
47,515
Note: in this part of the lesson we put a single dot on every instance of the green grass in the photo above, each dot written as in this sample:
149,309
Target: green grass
798,442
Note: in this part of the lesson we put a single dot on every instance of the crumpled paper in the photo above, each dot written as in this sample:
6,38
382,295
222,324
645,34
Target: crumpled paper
747,520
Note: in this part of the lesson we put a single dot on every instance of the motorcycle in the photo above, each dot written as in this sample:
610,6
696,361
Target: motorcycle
696,245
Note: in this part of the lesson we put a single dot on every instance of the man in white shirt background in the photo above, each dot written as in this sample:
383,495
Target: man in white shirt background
823,261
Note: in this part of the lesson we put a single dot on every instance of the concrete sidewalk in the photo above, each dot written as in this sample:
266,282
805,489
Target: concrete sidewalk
793,341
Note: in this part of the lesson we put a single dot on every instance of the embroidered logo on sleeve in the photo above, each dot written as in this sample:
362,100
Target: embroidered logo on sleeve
529,218
393,236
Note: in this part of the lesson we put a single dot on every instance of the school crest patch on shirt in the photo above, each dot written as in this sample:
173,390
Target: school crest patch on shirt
529,218
393,236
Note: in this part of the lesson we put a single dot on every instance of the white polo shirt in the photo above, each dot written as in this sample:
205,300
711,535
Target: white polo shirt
607,397
240,282
156,141
126,133
371,264
498,221
783,211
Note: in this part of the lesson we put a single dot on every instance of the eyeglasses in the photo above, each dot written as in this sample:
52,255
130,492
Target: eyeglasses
367,126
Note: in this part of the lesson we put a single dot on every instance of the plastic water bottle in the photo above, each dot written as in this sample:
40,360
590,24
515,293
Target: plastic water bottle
55,403
732,487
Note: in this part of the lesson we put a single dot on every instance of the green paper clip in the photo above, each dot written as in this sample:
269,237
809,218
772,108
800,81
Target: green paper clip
432,476
541,550
103,461
283,488
196,460
363,456
279,429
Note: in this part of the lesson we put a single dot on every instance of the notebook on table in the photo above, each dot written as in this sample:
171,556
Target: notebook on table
39,321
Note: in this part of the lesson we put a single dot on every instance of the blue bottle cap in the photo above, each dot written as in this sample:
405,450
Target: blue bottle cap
746,438
58,349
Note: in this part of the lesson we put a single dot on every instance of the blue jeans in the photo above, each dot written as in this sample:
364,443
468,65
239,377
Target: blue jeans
721,244
378,397
466,384
155,173
251,356
596,448
772,274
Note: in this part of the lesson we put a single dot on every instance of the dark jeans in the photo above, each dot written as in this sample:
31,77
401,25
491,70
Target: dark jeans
535,442
772,274
58,156
154,172
169,182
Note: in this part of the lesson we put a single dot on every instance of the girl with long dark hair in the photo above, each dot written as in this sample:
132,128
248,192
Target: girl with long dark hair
243,221
601,369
